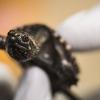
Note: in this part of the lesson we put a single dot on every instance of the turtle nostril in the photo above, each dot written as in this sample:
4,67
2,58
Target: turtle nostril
25,38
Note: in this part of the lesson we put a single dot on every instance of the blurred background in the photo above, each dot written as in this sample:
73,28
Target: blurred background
14,13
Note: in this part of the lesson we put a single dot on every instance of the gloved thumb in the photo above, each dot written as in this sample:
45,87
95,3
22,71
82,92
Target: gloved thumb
34,86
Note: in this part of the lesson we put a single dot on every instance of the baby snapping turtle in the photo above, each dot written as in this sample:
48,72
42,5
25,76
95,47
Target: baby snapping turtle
39,45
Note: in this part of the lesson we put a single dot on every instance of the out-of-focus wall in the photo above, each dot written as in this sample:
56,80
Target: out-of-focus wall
52,12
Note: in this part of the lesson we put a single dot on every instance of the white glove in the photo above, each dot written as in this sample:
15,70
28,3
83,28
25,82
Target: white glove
35,85
82,30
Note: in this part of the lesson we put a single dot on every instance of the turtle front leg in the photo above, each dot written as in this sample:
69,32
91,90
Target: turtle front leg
2,42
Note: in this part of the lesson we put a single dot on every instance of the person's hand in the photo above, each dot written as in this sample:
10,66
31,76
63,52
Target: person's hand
35,85
82,30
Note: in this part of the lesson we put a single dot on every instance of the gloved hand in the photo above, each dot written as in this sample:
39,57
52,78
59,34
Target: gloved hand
82,32
35,85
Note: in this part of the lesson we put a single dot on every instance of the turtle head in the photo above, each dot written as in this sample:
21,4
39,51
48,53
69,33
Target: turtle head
21,45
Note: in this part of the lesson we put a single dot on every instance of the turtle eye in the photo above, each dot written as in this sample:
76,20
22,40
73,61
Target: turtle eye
25,38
